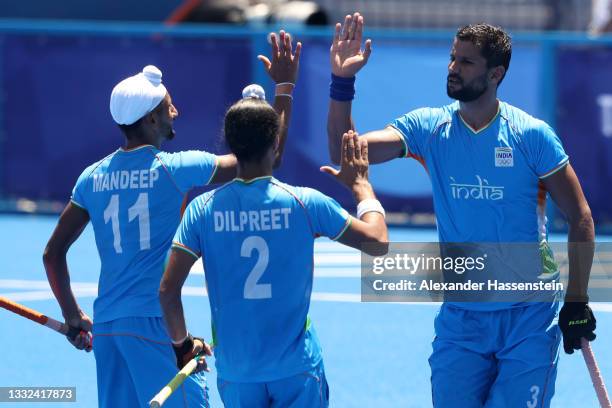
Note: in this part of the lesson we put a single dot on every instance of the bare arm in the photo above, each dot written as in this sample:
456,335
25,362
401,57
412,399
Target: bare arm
71,224
347,58
282,106
383,145
227,167
339,121
282,67
283,70
566,191
172,282
170,287
371,227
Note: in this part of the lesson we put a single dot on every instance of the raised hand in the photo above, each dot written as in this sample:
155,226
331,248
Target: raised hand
284,63
354,164
346,55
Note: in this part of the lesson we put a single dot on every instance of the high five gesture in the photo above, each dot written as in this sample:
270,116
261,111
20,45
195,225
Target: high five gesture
346,55
284,63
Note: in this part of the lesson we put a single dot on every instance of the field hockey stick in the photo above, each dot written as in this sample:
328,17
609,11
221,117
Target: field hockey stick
31,314
596,378
161,397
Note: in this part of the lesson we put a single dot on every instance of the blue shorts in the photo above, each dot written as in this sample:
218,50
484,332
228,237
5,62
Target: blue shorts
135,360
503,358
304,390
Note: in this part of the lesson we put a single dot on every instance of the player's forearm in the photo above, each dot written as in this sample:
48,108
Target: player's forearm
377,228
362,190
172,309
283,105
59,280
339,121
581,248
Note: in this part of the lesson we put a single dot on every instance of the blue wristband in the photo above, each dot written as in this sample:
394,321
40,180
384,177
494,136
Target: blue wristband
342,89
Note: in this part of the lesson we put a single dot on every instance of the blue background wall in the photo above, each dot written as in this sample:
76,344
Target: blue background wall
155,10
584,77
56,115
56,82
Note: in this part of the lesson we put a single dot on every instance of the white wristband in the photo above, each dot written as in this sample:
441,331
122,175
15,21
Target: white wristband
179,341
370,205
284,94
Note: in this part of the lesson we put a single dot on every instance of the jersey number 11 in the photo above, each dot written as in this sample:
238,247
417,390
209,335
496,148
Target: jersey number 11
140,209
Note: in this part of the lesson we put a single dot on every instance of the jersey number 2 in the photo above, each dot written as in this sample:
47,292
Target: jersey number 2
252,289
140,209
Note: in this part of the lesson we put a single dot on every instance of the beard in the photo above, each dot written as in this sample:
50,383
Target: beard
467,92
169,133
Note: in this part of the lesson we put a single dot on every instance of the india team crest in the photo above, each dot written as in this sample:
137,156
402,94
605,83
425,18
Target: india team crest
504,157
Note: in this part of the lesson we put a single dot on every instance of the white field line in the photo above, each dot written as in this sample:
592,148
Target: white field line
87,289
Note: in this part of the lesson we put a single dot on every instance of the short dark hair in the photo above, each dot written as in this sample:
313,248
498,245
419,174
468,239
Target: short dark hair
250,128
494,43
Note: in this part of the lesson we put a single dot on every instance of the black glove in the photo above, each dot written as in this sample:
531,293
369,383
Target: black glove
184,352
576,320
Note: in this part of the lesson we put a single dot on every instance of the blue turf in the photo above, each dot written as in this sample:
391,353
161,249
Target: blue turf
375,354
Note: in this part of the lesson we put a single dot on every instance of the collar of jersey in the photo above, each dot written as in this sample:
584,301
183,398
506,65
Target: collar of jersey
121,149
485,127
243,181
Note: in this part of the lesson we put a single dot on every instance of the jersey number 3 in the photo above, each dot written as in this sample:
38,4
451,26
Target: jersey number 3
252,289
140,209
